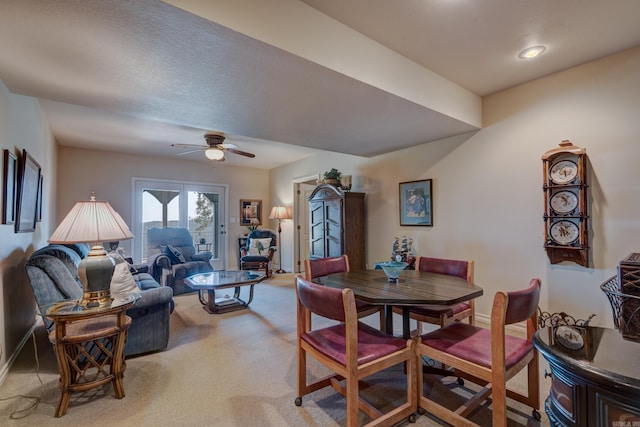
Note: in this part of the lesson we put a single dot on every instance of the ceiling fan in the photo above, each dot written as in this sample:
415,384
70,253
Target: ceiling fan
215,147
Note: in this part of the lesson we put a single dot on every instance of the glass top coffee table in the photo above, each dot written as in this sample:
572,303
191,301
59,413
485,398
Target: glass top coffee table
208,283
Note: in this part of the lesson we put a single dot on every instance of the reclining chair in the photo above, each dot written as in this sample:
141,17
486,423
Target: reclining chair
171,257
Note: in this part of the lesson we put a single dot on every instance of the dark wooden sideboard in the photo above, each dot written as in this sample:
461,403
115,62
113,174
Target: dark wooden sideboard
597,384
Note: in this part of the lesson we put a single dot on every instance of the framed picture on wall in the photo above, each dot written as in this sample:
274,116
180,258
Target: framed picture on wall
250,212
27,200
39,205
9,175
416,203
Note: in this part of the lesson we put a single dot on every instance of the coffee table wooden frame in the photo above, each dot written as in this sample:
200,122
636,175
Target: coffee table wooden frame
208,283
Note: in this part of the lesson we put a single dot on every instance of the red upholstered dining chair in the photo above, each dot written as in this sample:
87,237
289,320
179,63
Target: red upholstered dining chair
488,357
319,267
444,314
352,350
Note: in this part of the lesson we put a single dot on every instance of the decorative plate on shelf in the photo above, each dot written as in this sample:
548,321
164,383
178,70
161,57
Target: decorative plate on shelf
564,232
569,337
563,172
564,202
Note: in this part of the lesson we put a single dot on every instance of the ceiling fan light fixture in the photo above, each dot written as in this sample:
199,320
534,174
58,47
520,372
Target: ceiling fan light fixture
214,153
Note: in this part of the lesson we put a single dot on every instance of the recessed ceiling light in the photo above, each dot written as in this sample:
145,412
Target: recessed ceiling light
531,52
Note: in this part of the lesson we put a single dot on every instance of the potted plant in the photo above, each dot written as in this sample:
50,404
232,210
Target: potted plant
332,177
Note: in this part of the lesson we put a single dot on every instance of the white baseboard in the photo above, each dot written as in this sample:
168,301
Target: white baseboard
4,371
516,329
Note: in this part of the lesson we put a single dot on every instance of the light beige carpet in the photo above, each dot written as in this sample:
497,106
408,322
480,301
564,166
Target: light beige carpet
234,369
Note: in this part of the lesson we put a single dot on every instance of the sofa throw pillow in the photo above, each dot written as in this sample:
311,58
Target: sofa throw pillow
175,256
259,246
122,281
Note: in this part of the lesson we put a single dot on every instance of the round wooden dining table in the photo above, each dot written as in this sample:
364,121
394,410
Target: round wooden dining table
413,288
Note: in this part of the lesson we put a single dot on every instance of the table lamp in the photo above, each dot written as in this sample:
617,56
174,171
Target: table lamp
93,222
280,212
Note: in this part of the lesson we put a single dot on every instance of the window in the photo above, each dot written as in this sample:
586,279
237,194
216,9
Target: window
198,207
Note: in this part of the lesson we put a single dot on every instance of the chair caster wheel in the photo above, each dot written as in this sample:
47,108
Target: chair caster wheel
412,418
460,381
298,401
421,411
536,415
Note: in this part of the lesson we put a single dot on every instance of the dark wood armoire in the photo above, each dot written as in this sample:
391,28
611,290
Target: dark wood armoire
337,225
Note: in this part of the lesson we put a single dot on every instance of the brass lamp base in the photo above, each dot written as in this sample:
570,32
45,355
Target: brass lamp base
96,298
95,273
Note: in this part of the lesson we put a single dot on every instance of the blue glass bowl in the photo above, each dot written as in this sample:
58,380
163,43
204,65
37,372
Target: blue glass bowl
392,268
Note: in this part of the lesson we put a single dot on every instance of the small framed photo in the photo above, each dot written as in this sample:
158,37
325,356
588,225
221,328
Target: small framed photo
416,203
9,182
250,212
27,200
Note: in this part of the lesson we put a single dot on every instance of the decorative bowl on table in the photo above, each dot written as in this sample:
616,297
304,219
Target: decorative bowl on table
392,269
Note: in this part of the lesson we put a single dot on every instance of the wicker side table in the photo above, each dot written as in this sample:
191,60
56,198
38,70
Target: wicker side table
89,345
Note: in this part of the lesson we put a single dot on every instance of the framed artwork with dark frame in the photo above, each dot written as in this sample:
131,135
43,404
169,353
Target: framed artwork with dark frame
9,174
39,205
27,200
250,212
416,203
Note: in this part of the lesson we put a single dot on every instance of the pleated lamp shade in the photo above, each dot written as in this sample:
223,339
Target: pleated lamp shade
280,212
93,222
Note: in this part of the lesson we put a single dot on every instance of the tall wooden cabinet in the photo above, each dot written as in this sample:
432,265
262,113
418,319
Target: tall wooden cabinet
337,225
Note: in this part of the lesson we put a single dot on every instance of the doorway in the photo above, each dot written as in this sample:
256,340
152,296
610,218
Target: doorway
302,189
201,208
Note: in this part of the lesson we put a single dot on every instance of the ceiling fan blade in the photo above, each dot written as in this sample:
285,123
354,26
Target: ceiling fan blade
190,145
189,152
227,145
242,153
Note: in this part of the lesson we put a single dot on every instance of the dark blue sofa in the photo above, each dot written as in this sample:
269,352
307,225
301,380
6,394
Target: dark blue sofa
53,274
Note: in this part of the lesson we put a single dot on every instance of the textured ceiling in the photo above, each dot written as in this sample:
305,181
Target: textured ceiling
140,76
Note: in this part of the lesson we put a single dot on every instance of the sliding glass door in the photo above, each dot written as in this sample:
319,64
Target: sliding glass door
201,208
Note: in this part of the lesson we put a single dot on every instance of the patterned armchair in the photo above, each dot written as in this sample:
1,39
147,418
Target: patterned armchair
258,253
171,257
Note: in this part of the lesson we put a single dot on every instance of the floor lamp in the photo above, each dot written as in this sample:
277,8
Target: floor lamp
280,212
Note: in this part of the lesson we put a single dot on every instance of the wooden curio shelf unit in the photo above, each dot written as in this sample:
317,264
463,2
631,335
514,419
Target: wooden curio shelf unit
566,216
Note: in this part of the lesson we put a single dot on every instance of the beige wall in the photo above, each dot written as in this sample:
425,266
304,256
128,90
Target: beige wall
22,126
488,200
283,192
110,176
487,189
